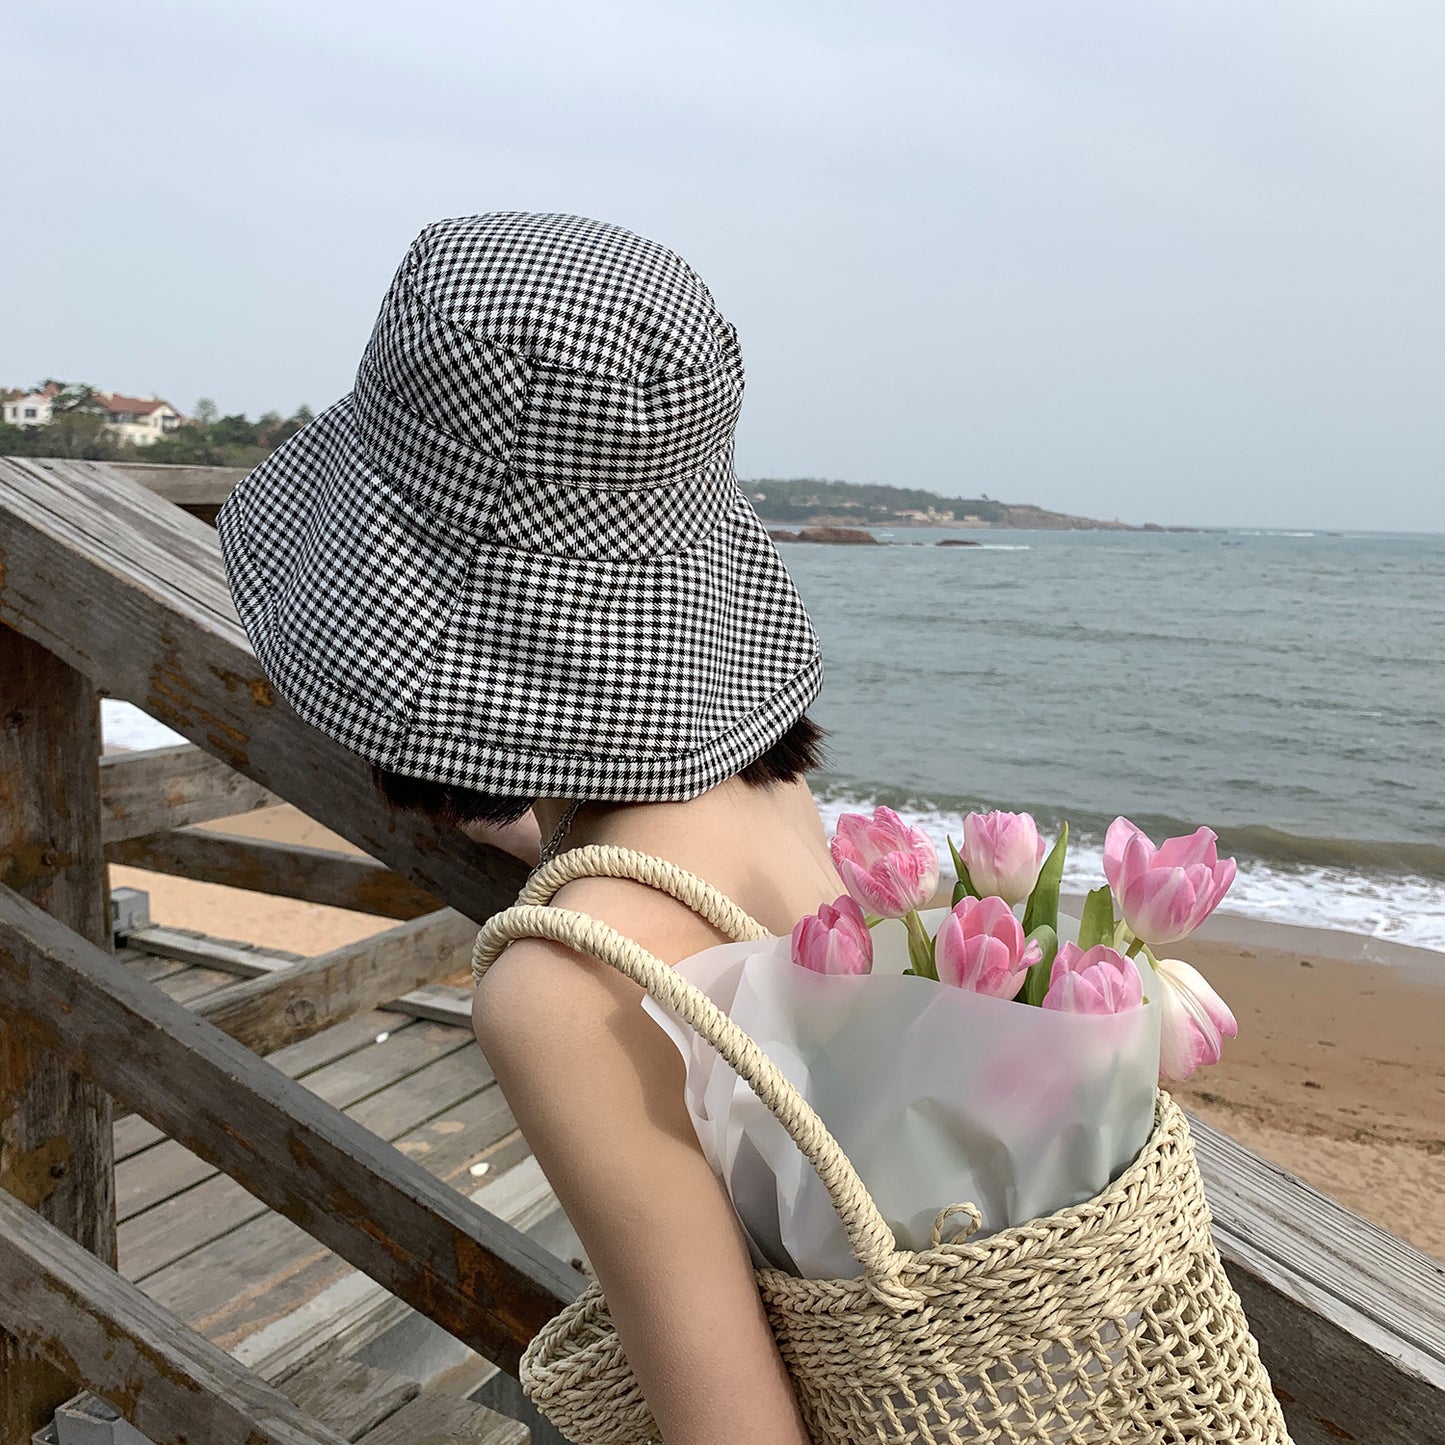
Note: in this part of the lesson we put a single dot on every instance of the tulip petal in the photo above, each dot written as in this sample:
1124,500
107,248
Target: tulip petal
1194,1022
1198,847
1116,840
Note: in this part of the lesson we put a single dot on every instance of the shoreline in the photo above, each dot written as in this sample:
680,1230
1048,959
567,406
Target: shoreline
1423,967
1338,1073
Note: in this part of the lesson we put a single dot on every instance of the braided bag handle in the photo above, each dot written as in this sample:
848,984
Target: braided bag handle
609,860
869,1236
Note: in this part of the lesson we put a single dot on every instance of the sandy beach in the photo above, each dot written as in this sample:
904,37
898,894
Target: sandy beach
1338,1073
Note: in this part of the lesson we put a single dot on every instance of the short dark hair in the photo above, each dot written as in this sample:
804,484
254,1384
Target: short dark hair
800,750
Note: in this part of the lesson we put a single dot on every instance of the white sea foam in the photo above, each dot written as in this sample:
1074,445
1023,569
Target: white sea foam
1405,909
125,726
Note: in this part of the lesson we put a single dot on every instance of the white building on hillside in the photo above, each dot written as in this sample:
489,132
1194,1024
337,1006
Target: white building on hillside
135,419
139,420
33,409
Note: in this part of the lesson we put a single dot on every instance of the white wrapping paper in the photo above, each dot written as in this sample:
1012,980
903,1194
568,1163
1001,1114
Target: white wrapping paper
937,1095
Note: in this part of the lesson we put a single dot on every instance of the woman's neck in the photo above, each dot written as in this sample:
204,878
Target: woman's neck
763,846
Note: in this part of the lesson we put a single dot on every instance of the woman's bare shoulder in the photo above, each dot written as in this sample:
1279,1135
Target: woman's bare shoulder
660,923
542,978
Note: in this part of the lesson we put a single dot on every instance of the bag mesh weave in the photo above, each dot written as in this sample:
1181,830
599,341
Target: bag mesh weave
1108,1322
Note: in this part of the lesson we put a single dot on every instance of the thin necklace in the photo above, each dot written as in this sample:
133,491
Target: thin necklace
549,848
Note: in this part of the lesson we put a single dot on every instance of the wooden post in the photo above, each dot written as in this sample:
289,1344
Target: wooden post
55,1130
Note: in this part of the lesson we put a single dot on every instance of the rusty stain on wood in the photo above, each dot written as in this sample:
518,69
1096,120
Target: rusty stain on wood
172,699
33,1175
156,789
259,687
55,1139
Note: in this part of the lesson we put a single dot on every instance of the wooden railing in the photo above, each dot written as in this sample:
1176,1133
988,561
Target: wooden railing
107,586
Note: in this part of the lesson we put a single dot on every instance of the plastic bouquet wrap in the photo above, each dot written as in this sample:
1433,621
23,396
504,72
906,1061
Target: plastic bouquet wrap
998,1051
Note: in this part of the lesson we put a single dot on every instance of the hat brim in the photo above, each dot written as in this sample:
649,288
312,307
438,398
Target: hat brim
611,644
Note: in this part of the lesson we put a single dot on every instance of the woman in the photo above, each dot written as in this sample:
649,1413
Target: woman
512,570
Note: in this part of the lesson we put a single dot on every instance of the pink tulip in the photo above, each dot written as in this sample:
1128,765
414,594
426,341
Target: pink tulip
1164,893
890,868
1195,1021
1003,854
981,947
1101,981
835,939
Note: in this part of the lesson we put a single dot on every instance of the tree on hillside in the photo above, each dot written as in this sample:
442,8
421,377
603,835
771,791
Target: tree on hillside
77,427
80,429
213,440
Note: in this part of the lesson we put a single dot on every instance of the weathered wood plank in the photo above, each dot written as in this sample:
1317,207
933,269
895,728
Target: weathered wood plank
159,629
55,1131
445,1417
284,870
445,1003
283,1007
475,1276
1349,1318
132,1133
265,1269
169,1382
502,1393
349,1397
193,986
184,485
244,960
147,966
160,788
145,1180
348,1312
183,1222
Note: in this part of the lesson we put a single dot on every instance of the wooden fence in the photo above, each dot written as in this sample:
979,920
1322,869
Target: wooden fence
108,587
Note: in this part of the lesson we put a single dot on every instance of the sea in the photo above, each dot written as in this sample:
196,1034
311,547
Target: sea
1284,688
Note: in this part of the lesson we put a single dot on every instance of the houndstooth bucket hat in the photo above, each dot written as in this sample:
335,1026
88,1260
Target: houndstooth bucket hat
516,557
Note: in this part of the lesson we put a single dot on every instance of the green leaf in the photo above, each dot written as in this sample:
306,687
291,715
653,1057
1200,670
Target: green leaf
1036,980
1043,905
872,919
964,887
1097,924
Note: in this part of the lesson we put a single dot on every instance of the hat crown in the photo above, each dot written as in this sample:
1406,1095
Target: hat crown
567,292
557,348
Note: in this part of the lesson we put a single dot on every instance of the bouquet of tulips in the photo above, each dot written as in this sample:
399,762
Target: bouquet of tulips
998,1051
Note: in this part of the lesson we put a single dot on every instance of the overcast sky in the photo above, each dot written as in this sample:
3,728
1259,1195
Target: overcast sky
1173,262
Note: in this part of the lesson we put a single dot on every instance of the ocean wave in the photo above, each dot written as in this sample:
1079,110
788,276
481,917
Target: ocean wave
1354,886
1393,891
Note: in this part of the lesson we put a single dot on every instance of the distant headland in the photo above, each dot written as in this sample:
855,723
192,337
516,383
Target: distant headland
813,503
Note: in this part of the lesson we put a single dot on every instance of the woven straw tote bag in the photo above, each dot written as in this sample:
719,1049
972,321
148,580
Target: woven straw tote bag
1108,1322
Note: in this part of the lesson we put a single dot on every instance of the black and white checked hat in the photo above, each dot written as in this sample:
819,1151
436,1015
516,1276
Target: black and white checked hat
516,557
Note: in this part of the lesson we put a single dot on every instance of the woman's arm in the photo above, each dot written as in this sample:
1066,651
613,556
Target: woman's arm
597,1090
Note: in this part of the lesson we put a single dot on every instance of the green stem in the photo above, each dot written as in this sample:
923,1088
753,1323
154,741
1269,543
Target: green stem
920,946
